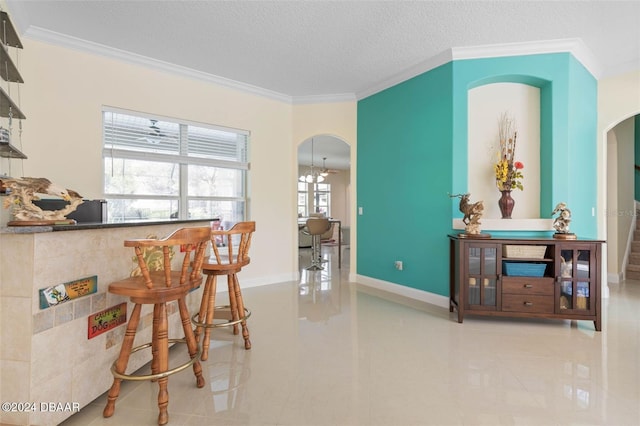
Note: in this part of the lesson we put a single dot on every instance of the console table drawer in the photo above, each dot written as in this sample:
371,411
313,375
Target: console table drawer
527,303
527,285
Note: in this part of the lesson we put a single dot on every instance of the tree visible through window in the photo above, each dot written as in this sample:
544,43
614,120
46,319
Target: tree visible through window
314,198
303,204
322,198
157,169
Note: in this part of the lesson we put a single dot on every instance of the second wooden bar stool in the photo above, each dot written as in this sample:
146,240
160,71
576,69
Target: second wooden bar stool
156,283
230,255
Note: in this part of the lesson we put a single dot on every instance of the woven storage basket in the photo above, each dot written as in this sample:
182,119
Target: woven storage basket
522,252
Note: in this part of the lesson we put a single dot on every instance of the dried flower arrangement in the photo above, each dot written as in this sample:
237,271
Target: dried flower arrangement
507,170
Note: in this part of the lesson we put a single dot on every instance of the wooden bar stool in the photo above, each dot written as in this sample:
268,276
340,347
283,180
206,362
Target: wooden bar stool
157,284
228,259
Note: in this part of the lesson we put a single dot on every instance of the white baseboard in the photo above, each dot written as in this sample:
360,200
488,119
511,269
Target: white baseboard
615,278
257,282
409,292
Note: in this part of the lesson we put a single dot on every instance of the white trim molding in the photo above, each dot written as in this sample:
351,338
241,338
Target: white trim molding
575,46
408,292
273,279
409,73
510,224
58,39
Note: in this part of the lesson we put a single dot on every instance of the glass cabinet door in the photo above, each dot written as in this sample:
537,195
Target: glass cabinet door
575,280
482,276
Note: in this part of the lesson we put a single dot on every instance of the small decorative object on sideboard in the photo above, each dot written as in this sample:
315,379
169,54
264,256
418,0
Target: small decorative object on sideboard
561,223
507,170
472,213
23,191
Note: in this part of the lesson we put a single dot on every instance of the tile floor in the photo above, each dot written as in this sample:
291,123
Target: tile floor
328,352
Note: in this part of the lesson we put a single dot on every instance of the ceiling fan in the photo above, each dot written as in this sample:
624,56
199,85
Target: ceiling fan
324,171
154,134
155,129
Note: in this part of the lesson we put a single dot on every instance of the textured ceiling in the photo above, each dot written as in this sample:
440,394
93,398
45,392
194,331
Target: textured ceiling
314,48
306,49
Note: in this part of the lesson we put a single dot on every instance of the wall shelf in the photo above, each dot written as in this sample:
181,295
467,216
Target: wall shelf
510,224
8,70
8,106
8,35
9,151
9,73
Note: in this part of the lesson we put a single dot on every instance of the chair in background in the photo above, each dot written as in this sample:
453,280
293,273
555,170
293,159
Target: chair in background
328,235
316,227
227,259
156,283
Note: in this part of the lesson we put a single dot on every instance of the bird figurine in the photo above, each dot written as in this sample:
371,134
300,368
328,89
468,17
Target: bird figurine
23,191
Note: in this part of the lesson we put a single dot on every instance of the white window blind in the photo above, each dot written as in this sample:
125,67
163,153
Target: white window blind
159,167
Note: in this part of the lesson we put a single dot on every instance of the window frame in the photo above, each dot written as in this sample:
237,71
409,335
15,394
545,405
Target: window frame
317,193
182,158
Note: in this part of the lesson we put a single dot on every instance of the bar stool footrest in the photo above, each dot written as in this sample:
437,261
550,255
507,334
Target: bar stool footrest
140,377
195,319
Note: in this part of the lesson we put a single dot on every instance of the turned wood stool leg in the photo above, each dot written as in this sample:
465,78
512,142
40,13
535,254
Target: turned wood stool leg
236,314
123,359
203,307
212,280
192,343
241,312
154,341
162,365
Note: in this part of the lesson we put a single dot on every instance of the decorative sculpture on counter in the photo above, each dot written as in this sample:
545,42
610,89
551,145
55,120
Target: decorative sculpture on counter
472,213
561,223
23,191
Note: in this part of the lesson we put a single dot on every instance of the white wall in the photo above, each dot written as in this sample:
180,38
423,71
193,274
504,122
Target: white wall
486,105
339,120
620,192
64,93
618,99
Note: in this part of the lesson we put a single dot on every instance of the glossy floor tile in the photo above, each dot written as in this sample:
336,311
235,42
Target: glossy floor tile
329,352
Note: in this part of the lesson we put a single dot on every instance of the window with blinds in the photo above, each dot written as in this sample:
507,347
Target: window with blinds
158,168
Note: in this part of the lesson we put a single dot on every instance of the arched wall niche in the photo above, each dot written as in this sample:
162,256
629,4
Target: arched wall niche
487,102
568,117
533,110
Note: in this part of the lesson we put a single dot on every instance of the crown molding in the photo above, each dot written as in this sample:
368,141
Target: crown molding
52,37
324,99
58,39
409,73
575,46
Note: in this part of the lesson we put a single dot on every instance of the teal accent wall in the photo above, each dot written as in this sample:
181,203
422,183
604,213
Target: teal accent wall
580,188
636,150
412,152
404,174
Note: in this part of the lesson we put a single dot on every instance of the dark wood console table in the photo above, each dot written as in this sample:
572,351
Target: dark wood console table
526,277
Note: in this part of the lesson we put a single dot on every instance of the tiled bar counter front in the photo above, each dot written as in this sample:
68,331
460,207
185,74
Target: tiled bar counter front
49,367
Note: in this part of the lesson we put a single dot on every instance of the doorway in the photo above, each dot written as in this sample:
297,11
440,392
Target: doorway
622,193
324,189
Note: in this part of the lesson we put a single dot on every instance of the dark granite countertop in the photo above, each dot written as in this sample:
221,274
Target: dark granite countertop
91,225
